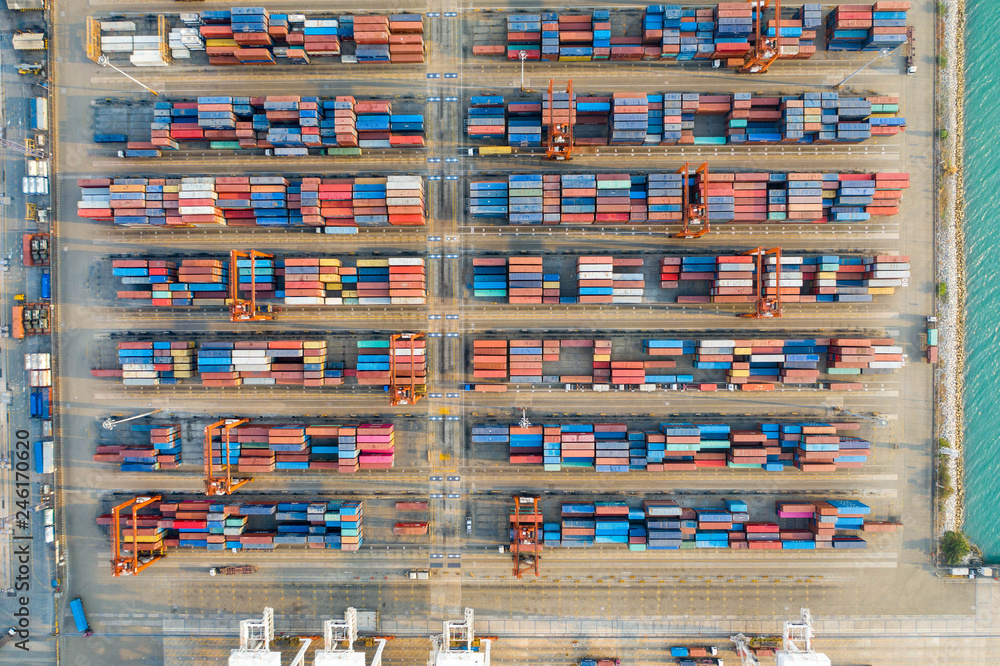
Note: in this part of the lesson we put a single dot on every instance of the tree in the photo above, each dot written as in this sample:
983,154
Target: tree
954,547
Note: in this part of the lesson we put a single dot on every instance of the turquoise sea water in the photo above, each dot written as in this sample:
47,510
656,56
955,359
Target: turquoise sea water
982,222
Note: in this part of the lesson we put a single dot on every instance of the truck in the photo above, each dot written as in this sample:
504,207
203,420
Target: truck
7,637
418,574
46,289
930,340
911,51
80,618
29,41
237,570
35,249
30,319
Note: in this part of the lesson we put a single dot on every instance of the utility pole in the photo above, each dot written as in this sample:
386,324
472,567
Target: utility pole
104,62
881,54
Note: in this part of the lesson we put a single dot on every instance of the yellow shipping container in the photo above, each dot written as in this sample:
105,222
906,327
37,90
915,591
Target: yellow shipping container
739,373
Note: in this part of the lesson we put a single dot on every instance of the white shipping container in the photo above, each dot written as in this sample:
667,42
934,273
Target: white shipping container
116,39
626,300
180,54
595,268
716,343
304,300
401,300
136,381
138,367
259,381
402,202
296,18
117,48
139,374
772,261
629,277
878,274
591,275
406,261
885,365
320,23
117,26
627,292
196,210
883,283
887,350
734,283
738,268
328,301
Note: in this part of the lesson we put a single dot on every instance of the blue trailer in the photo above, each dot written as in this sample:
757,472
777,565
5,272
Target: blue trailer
80,618
46,285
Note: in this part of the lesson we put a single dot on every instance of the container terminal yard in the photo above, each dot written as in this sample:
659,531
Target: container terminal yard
533,324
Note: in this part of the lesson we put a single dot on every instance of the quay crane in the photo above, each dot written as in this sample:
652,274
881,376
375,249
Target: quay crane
795,647
458,644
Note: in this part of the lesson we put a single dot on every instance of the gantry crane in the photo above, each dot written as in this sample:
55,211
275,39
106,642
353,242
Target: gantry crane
693,213
875,417
243,309
25,149
339,637
795,645
561,136
223,483
131,564
525,542
767,305
765,50
111,423
403,392
458,645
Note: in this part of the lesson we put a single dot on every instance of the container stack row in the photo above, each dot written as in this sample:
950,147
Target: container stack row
256,448
288,124
144,50
149,447
676,32
218,526
292,281
489,359
867,27
488,120
669,119
254,36
156,363
663,524
745,198
241,201
823,279
610,280
749,365
381,362
612,447
275,362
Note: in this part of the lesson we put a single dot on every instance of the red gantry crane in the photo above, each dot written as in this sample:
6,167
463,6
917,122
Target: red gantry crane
406,389
561,139
525,545
693,214
767,305
245,309
128,562
765,50
223,483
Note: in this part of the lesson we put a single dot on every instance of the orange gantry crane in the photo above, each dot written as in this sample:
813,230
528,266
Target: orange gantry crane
767,304
245,309
561,139
765,50
405,387
525,543
222,483
129,563
693,214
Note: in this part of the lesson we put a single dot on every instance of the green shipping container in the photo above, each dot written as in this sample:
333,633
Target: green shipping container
224,145
344,152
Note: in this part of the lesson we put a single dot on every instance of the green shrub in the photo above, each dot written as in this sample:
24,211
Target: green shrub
954,547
